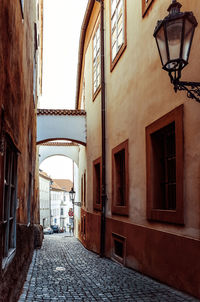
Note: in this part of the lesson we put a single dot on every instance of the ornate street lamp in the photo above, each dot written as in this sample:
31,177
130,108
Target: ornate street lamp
72,194
174,35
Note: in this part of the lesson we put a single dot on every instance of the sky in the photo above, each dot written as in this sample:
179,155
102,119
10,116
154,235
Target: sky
62,26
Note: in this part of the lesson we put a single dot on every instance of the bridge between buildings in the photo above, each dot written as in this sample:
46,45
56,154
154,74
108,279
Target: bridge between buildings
60,124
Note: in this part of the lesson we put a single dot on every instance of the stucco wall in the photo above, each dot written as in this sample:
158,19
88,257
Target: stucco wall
138,92
17,46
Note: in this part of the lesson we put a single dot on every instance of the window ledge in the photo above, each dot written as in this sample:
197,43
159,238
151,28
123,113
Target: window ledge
96,93
169,216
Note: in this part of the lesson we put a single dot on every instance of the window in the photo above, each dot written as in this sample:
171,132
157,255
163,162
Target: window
118,248
84,189
117,30
97,184
22,8
83,96
96,61
164,144
120,179
61,211
145,5
30,191
9,201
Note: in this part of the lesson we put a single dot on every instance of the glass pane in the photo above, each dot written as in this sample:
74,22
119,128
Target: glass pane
98,81
160,38
114,51
120,39
119,24
187,39
114,36
172,197
113,6
6,202
113,22
13,180
119,9
174,34
12,201
8,164
10,240
171,170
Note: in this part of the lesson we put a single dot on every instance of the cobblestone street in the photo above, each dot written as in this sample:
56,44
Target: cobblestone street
63,270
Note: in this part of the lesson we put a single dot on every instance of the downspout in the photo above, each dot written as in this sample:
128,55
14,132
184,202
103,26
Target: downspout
103,128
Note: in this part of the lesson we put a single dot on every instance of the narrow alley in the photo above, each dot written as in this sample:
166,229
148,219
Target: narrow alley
63,270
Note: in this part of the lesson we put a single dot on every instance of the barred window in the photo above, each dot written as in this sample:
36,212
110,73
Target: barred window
9,201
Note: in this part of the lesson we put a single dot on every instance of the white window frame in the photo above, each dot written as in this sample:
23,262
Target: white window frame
96,60
116,15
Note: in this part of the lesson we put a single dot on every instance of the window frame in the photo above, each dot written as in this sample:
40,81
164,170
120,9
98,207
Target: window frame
146,6
162,215
22,8
97,206
122,240
97,26
10,181
120,209
122,48
84,188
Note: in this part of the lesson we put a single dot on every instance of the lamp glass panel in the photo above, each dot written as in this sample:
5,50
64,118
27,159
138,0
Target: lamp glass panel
161,42
174,34
189,29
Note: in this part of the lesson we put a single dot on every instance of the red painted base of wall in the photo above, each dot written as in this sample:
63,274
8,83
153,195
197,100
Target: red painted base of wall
171,259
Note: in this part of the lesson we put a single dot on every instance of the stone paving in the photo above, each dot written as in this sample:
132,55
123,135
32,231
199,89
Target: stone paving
63,270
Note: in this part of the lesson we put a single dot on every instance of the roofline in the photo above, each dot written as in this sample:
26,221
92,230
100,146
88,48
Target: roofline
44,176
84,26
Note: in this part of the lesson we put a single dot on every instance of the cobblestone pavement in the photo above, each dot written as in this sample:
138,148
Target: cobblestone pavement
63,270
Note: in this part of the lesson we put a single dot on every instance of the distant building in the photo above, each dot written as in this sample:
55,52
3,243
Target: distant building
45,206
60,202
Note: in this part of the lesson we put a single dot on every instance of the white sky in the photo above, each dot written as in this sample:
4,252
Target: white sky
58,167
62,26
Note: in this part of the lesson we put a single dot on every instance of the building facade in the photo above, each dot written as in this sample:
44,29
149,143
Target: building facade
45,201
20,76
150,169
60,202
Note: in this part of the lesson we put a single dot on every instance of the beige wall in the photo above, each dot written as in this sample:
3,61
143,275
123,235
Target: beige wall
139,92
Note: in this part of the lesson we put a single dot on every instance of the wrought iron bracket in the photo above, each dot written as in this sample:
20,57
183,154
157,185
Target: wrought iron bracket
192,88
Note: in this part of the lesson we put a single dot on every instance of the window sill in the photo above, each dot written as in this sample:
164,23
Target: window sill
96,93
7,260
117,57
167,216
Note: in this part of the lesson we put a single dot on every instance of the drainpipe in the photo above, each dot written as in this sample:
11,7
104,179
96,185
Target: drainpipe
103,188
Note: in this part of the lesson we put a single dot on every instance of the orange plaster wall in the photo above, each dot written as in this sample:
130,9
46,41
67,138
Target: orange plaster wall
92,239
166,257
